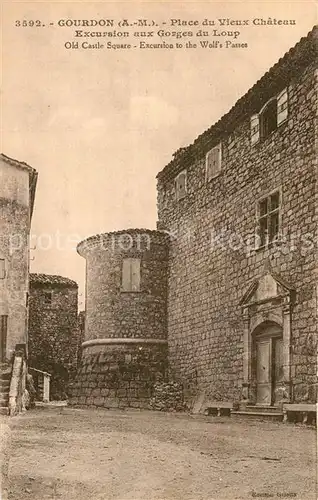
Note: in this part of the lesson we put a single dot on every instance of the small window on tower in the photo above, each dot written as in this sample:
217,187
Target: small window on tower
131,275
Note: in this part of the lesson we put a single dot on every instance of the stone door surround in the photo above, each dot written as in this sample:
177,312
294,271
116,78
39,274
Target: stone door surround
268,300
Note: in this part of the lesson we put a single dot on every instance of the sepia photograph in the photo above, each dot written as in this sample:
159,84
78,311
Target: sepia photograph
158,250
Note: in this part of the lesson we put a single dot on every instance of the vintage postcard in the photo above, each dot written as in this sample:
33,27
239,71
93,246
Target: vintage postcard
158,250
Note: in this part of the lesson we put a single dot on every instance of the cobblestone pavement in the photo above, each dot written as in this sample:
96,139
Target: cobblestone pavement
95,454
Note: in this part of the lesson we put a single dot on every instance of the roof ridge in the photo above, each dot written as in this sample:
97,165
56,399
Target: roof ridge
18,163
246,99
54,279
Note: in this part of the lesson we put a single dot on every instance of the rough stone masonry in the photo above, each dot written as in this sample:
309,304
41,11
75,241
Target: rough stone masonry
213,258
125,347
233,287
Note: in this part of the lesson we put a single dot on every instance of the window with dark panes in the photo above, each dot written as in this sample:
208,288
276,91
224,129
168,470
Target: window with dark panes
48,296
268,218
269,119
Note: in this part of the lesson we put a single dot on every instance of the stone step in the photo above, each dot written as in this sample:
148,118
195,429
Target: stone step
278,416
262,409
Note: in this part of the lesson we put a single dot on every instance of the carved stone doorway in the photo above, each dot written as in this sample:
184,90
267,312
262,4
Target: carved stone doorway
267,315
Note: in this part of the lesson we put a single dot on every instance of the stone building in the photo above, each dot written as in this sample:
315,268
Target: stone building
53,330
241,205
232,285
17,193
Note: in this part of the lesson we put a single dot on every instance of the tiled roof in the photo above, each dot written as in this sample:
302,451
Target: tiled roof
32,174
51,279
98,238
272,82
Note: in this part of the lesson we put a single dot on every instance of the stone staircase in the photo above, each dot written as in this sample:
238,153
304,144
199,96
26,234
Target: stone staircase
259,413
5,378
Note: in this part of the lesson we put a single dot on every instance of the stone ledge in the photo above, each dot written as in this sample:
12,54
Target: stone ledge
93,342
300,407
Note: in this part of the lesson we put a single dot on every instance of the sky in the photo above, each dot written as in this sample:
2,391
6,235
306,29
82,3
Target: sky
98,125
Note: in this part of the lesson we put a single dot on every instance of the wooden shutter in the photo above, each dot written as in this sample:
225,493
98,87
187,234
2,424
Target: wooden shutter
254,129
131,275
213,162
135,275
126,276
2,269
282,106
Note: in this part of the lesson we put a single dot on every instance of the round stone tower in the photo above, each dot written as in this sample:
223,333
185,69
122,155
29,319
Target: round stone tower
125,347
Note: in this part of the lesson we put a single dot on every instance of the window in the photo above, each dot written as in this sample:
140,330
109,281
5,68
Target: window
48,296
268,218
270,117
213,162
180,184
2,269
3,337
131,275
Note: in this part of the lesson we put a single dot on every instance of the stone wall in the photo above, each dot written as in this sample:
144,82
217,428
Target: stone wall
210,269
5,449
112,312
167,396
53,333
125,347
119,375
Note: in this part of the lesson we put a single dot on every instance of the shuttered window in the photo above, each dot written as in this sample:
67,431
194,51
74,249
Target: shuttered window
180,184
131,275
48,298
213,162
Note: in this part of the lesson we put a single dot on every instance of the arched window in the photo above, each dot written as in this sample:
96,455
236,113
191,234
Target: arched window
272,114
268,118
180,185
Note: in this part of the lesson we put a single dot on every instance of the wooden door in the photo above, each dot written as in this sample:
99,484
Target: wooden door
263,372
